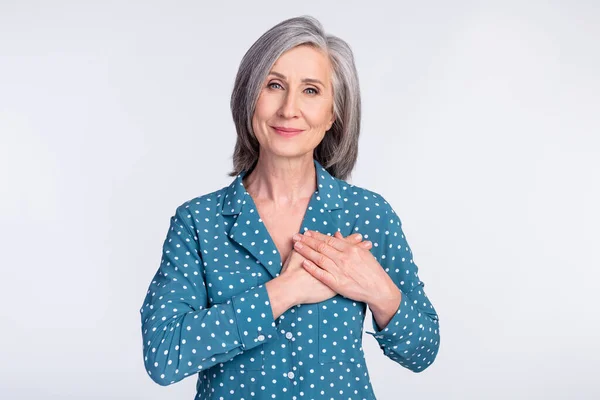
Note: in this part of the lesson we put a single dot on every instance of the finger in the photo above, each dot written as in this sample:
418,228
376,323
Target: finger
321,246
365,245
318,252
332,241
353,238
318,273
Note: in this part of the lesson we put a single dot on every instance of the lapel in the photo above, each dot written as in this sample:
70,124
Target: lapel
322,215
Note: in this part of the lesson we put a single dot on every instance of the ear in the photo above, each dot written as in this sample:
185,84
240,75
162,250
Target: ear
331,121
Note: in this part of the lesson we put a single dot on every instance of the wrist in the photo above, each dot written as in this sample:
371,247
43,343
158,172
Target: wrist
384,308
281,297
290,296
385,300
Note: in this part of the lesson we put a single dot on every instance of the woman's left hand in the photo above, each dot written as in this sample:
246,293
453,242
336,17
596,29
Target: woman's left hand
348,269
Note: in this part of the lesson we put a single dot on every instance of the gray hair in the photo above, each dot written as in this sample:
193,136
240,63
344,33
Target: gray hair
338,150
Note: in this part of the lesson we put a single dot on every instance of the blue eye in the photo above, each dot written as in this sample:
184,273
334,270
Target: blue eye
315,91
273,83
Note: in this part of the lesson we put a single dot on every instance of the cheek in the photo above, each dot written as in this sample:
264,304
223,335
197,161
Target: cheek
266,106
259,110
259,117
319,116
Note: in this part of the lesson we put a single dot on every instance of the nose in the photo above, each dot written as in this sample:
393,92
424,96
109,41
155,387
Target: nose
289,107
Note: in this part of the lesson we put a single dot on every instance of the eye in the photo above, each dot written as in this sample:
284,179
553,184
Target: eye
314,91
271,84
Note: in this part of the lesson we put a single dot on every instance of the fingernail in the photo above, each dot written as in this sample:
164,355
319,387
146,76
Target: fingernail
358,236
298,245
307,233
296,237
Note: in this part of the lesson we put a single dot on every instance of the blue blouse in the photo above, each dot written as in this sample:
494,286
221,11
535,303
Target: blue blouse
207,310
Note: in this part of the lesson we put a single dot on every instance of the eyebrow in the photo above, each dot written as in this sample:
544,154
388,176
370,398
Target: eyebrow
306,80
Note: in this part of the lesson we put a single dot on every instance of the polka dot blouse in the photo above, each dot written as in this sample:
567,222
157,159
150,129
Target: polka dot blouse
207,310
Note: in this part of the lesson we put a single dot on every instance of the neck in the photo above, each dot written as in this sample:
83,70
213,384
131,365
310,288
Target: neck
282,180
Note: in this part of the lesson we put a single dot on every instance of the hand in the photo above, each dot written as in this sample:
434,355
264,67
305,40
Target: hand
308,288
346,268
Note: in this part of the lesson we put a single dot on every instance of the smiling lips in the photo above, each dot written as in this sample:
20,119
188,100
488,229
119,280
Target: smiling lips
287,132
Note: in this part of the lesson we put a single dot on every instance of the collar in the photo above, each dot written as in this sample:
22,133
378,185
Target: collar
326,197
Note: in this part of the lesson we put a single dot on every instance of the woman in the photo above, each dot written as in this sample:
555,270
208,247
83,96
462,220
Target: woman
263,285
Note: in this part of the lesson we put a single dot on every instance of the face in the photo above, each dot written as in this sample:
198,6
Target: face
295,105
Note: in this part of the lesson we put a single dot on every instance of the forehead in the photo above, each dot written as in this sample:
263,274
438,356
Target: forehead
304,62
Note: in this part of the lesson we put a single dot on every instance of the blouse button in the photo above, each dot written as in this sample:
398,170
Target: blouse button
289,335
291,375
261,337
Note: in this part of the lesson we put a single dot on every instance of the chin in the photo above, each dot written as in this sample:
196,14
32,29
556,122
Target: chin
290,151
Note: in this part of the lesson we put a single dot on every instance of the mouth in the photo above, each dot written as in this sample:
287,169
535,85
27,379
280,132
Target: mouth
287,132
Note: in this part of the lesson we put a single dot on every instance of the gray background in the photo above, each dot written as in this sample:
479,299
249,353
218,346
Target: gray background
481,124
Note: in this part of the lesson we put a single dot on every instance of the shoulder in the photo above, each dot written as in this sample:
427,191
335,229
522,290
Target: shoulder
357,196
205,204
368,205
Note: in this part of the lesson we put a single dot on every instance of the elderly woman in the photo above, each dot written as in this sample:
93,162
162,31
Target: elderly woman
263,285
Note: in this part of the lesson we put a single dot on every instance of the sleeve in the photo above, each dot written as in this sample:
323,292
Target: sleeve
181,335
412,337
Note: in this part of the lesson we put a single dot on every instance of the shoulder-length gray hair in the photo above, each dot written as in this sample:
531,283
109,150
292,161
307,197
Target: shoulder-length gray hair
338,150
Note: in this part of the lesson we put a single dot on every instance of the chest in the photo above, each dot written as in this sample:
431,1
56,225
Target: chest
282,224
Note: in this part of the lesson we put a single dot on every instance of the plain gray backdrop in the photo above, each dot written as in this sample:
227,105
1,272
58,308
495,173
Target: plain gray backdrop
481,124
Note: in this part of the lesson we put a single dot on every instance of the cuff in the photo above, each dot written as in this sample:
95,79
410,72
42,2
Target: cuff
403,326
254,317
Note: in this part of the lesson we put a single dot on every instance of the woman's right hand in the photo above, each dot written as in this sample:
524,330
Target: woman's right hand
304,287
